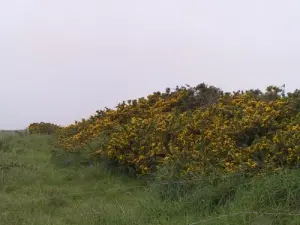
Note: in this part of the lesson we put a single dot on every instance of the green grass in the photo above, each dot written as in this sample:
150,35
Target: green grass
37,188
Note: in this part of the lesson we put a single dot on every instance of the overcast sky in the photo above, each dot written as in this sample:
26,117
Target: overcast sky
61,60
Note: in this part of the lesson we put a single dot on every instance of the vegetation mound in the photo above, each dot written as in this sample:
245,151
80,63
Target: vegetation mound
194,130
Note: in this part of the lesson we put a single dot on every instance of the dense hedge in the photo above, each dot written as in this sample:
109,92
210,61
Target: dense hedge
198,129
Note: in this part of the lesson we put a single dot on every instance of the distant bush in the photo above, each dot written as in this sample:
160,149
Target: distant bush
43,128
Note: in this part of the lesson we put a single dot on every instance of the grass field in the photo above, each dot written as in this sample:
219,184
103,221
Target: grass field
37,188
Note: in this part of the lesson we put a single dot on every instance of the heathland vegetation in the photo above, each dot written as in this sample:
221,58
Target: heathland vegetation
195,130
193,155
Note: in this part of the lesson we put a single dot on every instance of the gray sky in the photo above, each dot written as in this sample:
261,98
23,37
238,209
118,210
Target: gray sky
61,60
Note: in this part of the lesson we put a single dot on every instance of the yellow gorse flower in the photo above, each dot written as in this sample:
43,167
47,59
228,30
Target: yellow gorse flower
232,132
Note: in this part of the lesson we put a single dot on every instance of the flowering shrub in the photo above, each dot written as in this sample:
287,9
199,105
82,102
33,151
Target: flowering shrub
199,129
43,128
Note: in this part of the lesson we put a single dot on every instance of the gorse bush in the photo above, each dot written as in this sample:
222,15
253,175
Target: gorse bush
43,128
199,129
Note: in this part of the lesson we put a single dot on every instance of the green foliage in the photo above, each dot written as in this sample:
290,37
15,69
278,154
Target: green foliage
4,142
